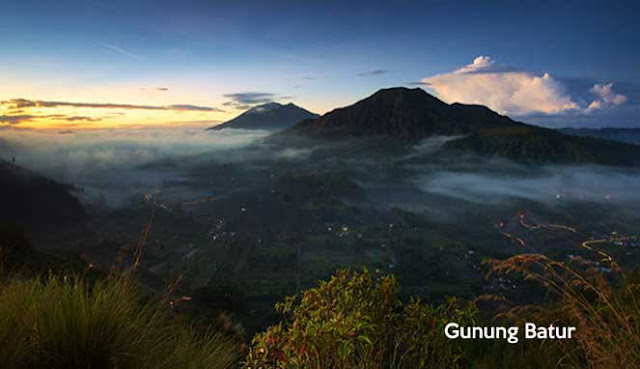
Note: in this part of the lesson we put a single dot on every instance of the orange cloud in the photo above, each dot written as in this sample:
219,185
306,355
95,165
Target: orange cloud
46,114
25,103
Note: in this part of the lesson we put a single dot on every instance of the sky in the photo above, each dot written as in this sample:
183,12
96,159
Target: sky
85,64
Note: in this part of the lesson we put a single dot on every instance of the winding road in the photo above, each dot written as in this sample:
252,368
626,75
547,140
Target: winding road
585,244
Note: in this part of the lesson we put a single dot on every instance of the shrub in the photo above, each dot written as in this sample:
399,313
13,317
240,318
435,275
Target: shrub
356,321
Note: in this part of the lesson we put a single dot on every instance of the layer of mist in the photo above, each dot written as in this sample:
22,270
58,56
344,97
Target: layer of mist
117,164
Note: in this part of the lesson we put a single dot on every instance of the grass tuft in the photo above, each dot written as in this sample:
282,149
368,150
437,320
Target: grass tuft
59,322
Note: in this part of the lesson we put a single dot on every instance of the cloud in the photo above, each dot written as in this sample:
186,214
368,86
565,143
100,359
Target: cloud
25,103
251,97
191,107
234,105
112,161
119,50
418,83
486,65
16,119
606,97
546,184
502,88
246,100
159,89
16,110
87,151
75,118
516,92
374,72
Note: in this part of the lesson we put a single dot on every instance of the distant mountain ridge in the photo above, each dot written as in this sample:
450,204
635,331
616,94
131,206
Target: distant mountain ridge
270,116
411,115
626,135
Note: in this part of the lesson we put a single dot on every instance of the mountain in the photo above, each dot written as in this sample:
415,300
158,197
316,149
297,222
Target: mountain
34,201
410,115
270,116
626,135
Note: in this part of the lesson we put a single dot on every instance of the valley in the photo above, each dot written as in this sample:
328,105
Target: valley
237,229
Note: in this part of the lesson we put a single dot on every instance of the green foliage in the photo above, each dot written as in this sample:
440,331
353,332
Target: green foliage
68,323
356,321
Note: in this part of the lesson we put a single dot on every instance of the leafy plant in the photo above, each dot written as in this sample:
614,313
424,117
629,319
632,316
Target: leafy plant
356,321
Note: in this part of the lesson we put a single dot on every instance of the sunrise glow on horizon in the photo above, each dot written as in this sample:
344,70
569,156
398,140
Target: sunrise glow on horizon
84,65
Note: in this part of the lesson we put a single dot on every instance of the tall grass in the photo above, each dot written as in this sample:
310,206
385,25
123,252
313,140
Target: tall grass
604,309
56,322
91,322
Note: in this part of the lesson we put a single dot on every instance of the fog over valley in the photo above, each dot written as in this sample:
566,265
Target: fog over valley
399,182
319,184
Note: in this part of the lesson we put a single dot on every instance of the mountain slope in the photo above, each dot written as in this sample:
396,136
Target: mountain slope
410,115
626,135
540,145
270,116
31,200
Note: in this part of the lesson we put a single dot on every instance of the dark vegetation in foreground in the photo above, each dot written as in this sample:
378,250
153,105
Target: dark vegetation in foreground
56,314
73,317
356,321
